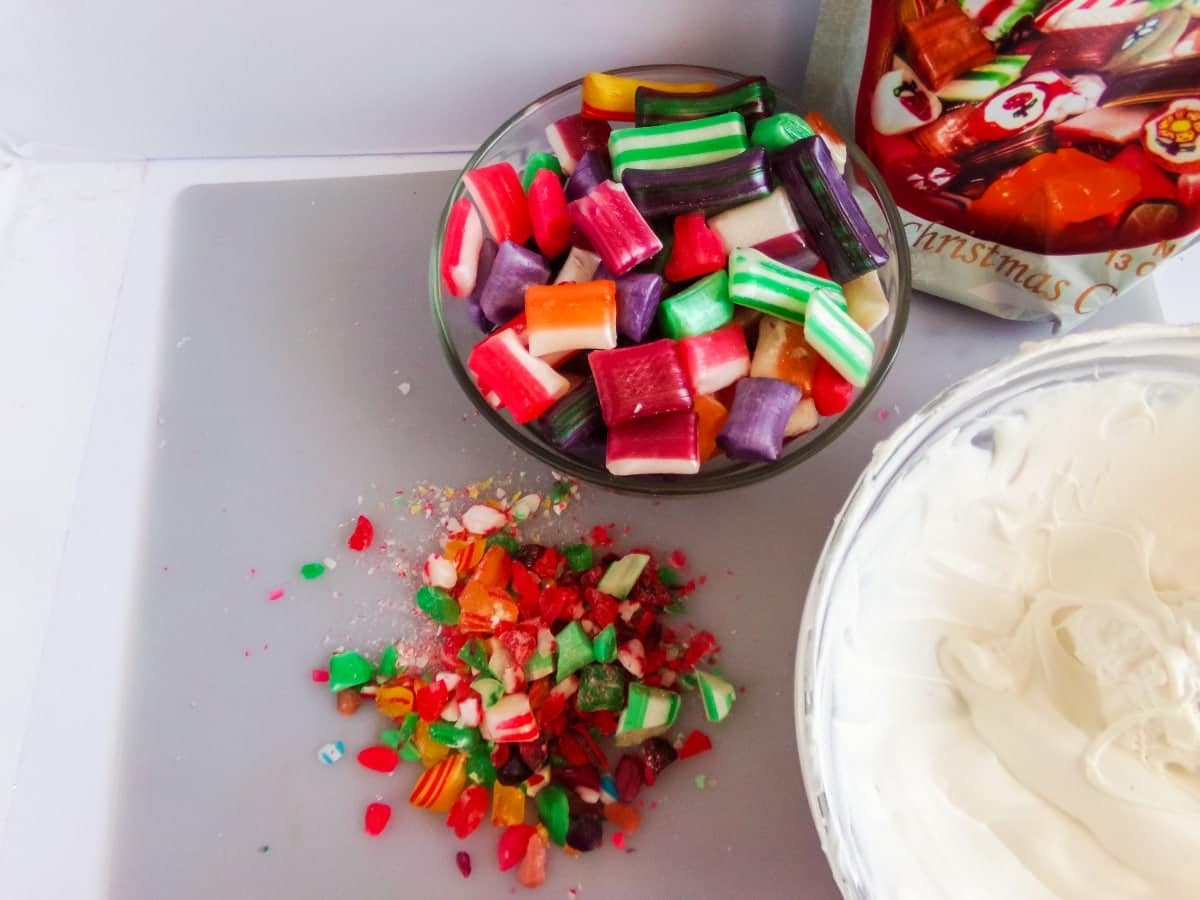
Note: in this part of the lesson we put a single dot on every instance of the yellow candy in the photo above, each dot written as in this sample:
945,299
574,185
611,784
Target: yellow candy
439,787
508,805
431,751
613,96
394,700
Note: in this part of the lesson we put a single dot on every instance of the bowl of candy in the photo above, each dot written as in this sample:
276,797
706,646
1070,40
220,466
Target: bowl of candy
665,279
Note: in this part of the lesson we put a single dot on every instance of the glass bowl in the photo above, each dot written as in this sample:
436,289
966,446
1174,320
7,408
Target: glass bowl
523,134
1141,349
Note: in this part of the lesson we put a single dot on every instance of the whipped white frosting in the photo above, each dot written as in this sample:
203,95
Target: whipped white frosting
1016,661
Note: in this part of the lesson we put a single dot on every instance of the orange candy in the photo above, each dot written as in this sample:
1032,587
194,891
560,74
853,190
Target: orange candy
833,140
624,817
508,805
712,415
494,569
532,871
482,608
431,751
439,787
783,353
394,700
465,554
571,316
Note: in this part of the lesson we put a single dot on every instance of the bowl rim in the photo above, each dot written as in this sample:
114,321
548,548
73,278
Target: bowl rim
746,473
1128,340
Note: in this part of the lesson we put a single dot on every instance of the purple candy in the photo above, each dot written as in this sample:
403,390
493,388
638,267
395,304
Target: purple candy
575,419
591,170
487,256
758,418
514,269
638,296
708,188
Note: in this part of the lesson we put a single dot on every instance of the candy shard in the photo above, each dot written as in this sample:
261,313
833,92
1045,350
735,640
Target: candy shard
640,381
510,720
500,200
866,301
715,360
574,650
620,577
660,445
571,317
840,340
757,419
804,418
701,307
572,136
614,97
716,694
526,385
514,269
755,222
580,265
759,282
460,248
708,188
348,670
615,228
649,712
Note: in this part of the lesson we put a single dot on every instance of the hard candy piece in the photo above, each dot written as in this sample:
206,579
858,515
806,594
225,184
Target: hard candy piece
755,222
460,248
601,687
835,143
508,805
901,103
708,188
711,415
604,644
638,296
539,162
658,754
591,171
572,136
615,228
437,604
585,833
782,352
571,317
866,301
698,308
439,786
778,131
649,712
826,205
454,736
694,744
757,419
715,360
532,871
510,719
512,769
981,82
1172,138
348,702
376,818
500,200
660,445
620,577
614,97
830,391
470,712
579,557
761,283
574,419
468,810
331,753
515,269
716,694
487,257
482,609
462,859
696,251
678,145
580,265
995,19
348,670
634,382
943,44
574,650
752,98
526,385
840,340
389,658
548,214
553,808
629,777
394,700
514,842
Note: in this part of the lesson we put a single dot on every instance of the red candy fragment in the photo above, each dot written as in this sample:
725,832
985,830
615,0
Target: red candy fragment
694,744
430,701
320,676
379,759
364,533
831,392
520,645
548,210
376,818
462,859
468,811
514,841
697,250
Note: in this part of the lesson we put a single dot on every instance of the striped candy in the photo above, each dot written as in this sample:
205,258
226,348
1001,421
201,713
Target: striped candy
510,720
501,201
840,340
716,694
996,19
648,712
753,223
678,145
759,282
439,786
614,97
980,83
524,384
751,97
571,317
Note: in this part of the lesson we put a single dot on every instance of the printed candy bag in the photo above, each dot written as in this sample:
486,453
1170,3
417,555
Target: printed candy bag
1045,155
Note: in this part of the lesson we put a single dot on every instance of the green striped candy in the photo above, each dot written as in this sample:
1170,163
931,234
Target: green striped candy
698,309
678,145
842,342
648,712
759,282
716,694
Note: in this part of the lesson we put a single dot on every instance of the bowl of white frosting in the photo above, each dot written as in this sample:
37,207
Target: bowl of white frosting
998,672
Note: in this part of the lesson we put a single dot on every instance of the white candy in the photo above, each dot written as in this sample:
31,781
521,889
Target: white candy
579,266
865,300
901,103
526,507
469,713
439,572
753,223
480,519
803,418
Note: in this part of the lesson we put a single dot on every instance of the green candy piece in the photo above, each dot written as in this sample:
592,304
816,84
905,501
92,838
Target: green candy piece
554,809
687,681
751,98
758,282
842,342
489,690
560,491
699,309
437,604
537,162
574,650
454,736
503,539
649,712
670,577
716,694
387,662
778,131
604,644
480,769
675,608
678,145
579,557
539,666
410,753
622,575
600,687
408,727
347,670
312,570
390,737
474,654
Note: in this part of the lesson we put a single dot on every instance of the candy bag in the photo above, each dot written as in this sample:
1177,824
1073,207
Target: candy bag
1045,154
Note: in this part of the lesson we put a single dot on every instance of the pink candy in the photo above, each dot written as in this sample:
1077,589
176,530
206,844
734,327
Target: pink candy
715,360
573,136
460,248
524,384
640,381
614,227
658,445
500,199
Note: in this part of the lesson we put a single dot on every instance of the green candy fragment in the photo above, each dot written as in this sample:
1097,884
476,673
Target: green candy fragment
539,666
578,556
716,694
560,491
601,687
410,753
387,662
489,690
454,736
622,575
537,162
554,809
574,650
390,737
670,577
347,670
437,604
699,309
649,712
474,654
779,131
686,681
480,769
408,727
503,539
676,607
604,644
312,570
